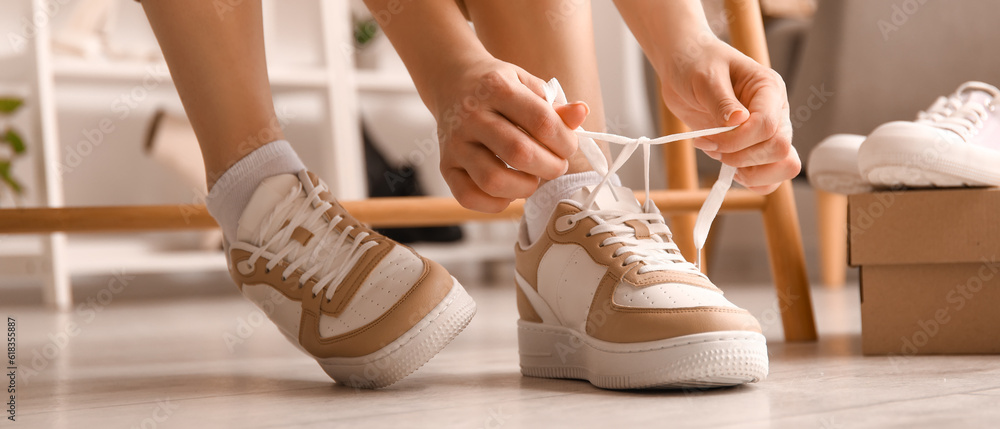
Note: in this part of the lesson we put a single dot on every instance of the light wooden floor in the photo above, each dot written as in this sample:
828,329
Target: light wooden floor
141,360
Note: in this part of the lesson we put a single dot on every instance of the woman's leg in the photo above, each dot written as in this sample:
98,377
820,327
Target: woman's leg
216,60
266,202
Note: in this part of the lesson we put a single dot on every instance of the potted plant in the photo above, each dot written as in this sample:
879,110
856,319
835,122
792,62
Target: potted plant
11,147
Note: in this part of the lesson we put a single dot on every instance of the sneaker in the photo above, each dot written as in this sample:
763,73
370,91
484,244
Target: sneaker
605,295
959,147
833,165
369,310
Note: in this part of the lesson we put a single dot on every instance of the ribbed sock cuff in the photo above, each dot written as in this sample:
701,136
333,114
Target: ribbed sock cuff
540,205
231,193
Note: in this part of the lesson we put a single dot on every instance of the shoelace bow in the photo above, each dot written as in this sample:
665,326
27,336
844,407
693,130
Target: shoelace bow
658,254
329,250
962,117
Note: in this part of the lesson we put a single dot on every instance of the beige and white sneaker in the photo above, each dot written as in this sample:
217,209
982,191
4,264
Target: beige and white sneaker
369,310
605,295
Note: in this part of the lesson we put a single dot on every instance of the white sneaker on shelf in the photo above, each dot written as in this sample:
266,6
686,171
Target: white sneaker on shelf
959,146
369,310
833,165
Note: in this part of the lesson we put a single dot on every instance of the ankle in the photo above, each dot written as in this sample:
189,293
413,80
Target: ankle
539,206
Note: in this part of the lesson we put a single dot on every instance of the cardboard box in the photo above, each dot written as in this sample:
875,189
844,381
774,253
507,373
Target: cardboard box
930,270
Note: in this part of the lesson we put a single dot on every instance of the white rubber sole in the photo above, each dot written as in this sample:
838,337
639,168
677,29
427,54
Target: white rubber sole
411,350
712,359
839,182
900,176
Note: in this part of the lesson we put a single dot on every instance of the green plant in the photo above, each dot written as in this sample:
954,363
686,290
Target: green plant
11,138
364,31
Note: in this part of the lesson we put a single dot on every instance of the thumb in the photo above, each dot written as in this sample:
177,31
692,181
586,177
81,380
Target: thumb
729,110
573,114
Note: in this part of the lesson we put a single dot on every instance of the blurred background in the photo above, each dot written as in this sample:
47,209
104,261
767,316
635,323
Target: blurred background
85,90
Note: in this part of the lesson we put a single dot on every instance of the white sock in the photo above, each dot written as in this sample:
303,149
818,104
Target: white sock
540,205
231,193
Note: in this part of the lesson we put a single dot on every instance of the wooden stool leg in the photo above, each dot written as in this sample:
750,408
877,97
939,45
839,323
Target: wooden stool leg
831,219
781,222
788,264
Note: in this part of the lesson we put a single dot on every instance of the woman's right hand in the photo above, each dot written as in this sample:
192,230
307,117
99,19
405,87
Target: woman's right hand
490,115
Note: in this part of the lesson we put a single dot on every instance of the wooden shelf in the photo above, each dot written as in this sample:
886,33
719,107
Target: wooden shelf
134,72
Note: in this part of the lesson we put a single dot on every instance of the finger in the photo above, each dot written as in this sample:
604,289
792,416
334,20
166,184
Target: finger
533,83
767,152
768,112
767,175
493,176
528,110
573,114
728,109
764,190
469,195
517,149
705,143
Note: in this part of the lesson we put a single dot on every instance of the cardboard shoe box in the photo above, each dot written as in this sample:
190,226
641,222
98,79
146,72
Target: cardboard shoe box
930,270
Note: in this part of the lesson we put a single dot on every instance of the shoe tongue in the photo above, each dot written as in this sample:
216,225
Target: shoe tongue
606,200
268,194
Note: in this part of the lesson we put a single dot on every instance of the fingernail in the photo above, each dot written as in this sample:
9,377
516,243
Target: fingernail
725,118
585,106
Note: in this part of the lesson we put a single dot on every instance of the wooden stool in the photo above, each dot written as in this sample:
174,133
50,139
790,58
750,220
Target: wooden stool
781,222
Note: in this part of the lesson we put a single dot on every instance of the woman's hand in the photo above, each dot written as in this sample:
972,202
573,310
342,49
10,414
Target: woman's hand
722,87
498,135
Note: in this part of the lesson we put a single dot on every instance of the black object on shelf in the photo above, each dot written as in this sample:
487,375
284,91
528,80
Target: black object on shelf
386,180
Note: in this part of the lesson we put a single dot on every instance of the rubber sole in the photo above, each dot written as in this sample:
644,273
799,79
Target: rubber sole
712,359
411,350
898,176
840,183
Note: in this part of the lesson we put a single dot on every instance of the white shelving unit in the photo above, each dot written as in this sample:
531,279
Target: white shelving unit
52,259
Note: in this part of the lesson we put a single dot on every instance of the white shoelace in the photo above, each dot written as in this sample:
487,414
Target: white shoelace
962,117
329,251
658,254
941,108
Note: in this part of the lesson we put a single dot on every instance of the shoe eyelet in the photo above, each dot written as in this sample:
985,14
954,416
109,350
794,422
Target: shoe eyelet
245,267
267,270
564,223
284,279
